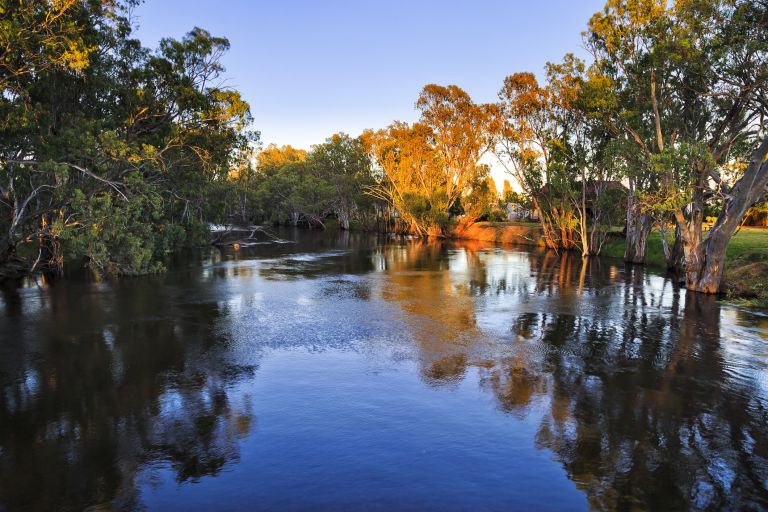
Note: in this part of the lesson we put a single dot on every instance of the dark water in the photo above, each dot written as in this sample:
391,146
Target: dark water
347,373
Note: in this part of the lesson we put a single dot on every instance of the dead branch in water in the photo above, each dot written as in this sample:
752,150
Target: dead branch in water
253,235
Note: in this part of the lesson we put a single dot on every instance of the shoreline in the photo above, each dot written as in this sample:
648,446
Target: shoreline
746,276
505,233
745,281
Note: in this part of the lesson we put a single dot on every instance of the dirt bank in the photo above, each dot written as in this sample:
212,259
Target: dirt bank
500,232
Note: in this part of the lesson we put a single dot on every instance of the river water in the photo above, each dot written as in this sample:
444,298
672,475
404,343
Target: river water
349,372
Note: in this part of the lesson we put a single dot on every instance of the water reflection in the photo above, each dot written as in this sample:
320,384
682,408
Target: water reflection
89,396
642,395
644,405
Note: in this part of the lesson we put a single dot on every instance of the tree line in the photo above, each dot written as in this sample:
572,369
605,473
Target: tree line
117,153
663,126
289,186
672,103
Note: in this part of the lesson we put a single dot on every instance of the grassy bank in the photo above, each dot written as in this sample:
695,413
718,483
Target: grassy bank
746,271
746,275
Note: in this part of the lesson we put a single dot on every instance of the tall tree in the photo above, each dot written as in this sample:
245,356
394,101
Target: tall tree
723,84
524,133
459,132
409,178
623,41
690,81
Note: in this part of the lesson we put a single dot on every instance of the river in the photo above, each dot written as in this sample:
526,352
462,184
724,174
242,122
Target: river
349,372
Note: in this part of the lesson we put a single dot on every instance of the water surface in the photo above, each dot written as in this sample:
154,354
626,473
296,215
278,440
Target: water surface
352,372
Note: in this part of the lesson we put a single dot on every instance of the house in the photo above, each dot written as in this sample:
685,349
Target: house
516,212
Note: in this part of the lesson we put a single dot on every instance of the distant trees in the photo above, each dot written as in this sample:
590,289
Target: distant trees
342,163
426,168
294,195
458,131
285,185
271,158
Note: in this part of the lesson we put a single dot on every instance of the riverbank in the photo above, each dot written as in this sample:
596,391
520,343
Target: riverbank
509,233
746,275
746,272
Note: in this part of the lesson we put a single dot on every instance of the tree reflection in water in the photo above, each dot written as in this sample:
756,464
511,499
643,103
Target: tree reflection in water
85,410
648,397
639,403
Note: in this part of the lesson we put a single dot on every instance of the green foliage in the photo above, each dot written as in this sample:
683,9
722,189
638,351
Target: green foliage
108,147
289,186
680,165
758,214
342,163
121,237
482,202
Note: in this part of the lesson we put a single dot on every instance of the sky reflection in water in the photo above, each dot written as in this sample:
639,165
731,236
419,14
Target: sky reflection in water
343,371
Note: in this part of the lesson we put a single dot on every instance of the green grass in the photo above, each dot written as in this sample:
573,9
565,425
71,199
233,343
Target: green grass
746,267
749,244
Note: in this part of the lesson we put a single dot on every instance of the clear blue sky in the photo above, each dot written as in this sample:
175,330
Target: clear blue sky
311,68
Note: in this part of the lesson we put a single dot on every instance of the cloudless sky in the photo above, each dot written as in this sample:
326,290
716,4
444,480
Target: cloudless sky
310,68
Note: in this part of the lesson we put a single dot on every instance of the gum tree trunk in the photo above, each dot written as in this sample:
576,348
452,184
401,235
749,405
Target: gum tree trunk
344,212
638,228
672,253
705,259
7,251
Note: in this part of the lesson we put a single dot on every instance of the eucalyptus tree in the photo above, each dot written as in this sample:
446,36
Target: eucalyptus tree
407,177
581,153
424,169
624,40
690,87
722,51
548,139
293,194
110,148
482,200
524,134
47,54
459,131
